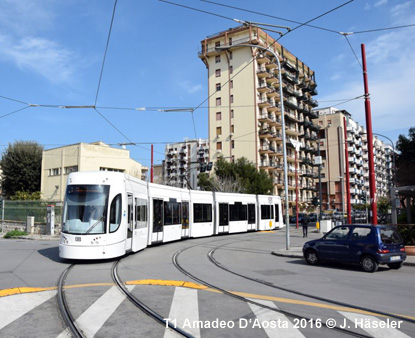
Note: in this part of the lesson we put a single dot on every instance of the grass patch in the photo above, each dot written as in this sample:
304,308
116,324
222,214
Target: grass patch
15,233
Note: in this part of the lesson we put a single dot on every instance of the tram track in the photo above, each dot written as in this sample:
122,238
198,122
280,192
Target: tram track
302,294
77,332
176,263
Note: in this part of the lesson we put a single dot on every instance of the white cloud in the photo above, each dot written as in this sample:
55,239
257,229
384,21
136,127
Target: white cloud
41,56
367,7
380,3
189,87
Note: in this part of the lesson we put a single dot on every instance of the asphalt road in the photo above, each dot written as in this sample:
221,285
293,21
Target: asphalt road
29,309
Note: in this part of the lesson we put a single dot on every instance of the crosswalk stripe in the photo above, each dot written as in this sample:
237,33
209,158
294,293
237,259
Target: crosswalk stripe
372,325
13,307
267,316
99,312
185,310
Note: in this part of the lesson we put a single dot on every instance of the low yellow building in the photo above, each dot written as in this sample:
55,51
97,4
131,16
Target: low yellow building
58,163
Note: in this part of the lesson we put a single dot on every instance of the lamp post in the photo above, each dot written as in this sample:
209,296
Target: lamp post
284,146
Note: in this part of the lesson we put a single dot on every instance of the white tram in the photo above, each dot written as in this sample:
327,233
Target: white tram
107,214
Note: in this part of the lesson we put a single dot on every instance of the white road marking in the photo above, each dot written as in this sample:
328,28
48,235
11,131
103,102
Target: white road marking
99,312
13,307
372,325
185,310
267,316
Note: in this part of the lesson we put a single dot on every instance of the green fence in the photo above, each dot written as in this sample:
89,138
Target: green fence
20,210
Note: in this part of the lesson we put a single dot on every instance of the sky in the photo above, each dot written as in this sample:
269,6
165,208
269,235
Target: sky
51,53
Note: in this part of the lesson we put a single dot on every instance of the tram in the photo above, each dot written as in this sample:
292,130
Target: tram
109,214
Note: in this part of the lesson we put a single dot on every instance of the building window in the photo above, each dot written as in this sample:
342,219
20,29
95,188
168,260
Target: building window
218,116
232,128
233,159
233,144
328,121
218,87
55,172
218,145
320,123
231,113
218,131
217,59
72,169
230,41
231,84
231,99
111,169
217,43
218,101
217,72
231,69
230,55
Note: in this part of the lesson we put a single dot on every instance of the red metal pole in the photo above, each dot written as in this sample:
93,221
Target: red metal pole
372,178
346,152
152,167
296,186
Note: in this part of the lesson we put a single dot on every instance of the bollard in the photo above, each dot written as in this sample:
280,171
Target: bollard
50,219
30,224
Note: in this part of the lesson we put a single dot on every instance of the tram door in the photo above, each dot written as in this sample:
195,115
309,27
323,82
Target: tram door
223,218
130,225
157,234
185,219
251,217
140,228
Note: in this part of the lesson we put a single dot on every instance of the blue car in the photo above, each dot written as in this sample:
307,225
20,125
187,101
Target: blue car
367,245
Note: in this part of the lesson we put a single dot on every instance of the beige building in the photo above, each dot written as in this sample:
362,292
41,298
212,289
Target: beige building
245,113
57,163
332,149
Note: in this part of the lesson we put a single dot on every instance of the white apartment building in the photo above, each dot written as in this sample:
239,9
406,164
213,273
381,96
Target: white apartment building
57,163
184,161
245,109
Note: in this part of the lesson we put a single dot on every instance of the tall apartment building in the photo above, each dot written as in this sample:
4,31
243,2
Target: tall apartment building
332,145
184,161
244,107
57,163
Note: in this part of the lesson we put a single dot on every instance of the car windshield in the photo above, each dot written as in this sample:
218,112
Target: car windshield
338,233
85,209
390,236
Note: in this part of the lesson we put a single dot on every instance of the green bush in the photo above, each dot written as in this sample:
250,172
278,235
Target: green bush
408,234
15,233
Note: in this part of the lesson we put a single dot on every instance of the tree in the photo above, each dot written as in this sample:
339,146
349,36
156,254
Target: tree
405,161
240,177
21,165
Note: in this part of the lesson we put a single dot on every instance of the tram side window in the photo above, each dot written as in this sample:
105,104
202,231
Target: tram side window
140,213
251,213
266,212
223,214
238,212
172,213
115,213
157,215
202,212
277,213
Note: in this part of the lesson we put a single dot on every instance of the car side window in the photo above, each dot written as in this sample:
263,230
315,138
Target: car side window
360,233
339,233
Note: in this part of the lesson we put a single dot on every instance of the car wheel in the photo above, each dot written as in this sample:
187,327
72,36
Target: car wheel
395,266
311,257
369,264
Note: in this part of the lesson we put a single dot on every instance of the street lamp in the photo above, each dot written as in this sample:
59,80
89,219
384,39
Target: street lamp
284,146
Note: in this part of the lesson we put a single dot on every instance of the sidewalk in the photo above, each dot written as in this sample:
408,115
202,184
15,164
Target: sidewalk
297,251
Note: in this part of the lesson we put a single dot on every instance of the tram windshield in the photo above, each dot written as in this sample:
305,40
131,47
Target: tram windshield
85,209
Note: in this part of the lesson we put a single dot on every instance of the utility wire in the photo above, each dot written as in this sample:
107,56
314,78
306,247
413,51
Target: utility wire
383,29
105,53
10,99
267,15
354,53
14,111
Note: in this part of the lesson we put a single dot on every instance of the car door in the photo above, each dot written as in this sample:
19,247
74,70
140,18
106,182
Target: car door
335,244
360,239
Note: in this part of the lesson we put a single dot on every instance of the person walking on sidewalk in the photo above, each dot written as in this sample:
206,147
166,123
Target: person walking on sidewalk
305,222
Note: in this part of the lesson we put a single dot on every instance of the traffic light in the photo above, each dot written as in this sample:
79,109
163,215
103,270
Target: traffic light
315,201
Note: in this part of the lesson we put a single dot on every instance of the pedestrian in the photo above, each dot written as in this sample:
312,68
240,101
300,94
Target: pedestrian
305,222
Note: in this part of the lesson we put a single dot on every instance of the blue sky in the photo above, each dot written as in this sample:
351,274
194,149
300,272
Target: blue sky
51,53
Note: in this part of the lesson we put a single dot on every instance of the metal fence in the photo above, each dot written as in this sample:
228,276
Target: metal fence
20,210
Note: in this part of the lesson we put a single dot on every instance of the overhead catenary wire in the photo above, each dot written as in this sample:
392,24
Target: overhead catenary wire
354,53
14,112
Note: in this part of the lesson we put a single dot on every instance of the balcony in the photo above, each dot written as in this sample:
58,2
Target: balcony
313,103
265,133
262,58
264,103
264,118
262,72
288,65
276,137
263,88
291,103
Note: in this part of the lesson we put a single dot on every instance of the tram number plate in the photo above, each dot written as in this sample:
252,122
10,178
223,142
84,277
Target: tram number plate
78,239
395,258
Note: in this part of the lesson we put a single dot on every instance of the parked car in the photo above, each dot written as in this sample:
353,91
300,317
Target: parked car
313,217
293,219
367,245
